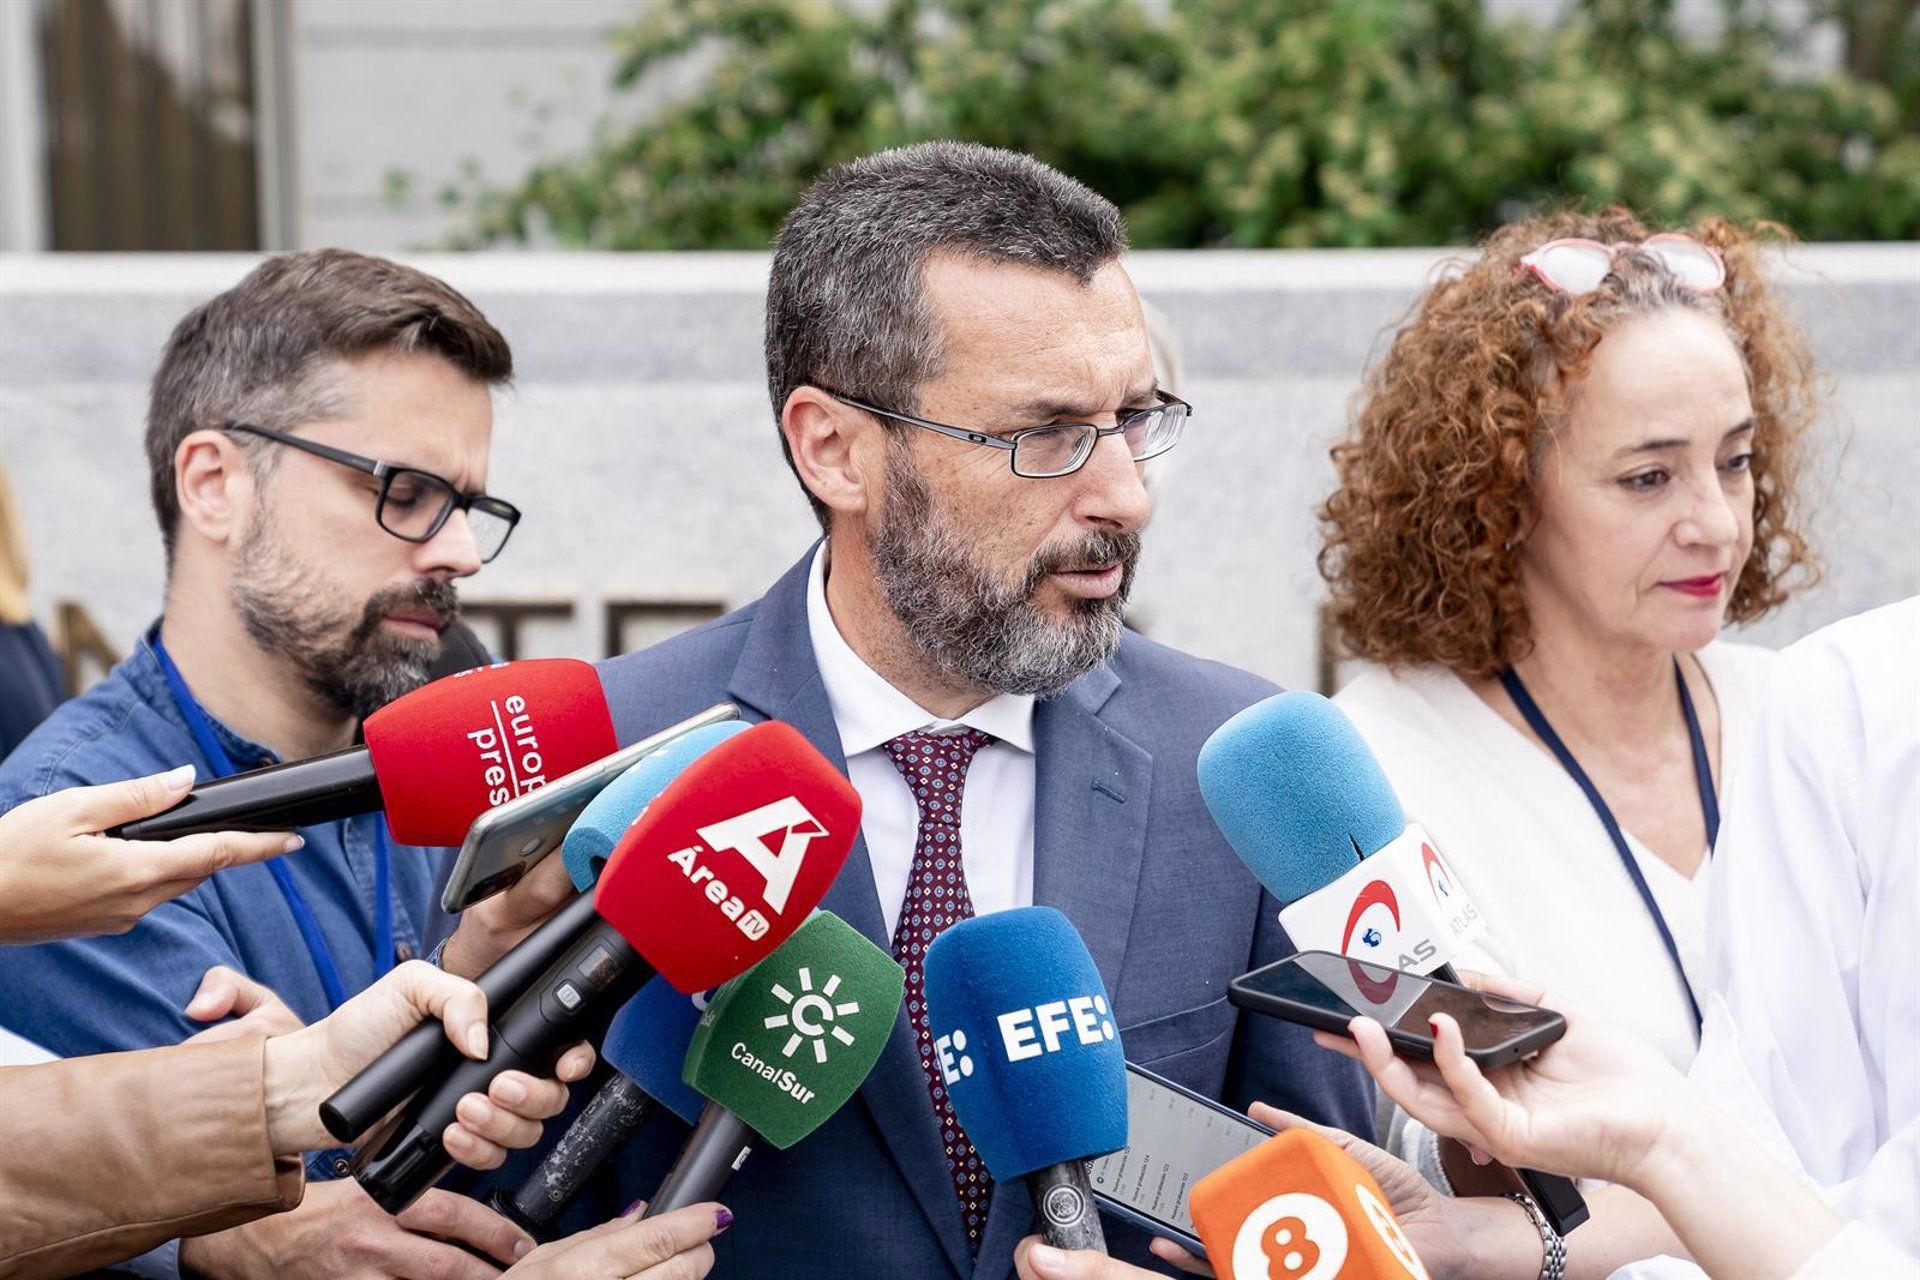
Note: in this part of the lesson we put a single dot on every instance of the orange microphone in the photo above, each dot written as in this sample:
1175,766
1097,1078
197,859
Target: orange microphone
1297,1207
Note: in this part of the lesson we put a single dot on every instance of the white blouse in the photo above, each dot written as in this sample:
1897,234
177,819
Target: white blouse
1530,851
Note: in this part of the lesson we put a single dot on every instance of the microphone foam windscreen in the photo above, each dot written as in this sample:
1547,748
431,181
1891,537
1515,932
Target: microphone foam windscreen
1299,1206
1297,793
731,857
1026,1040
591,838
647,1043
784,1045
451,750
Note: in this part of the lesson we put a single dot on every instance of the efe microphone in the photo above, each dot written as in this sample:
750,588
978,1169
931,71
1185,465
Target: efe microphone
435,759
1297,1207
780,1049
1300,797
721,868
1029,1050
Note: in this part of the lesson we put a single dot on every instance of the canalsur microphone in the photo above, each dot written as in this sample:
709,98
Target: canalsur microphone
781,1048
724,865
1297,1207
435,759
1030,1054
1300,797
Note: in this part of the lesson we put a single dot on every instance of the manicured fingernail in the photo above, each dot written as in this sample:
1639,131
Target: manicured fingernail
477,1040
510,1090
521,1248
722,1219
294,844
634,1208
177,779
1046,1258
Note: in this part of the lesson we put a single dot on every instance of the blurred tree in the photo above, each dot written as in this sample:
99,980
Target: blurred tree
1251,122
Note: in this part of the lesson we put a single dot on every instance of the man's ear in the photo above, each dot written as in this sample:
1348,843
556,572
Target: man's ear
214,485
833,447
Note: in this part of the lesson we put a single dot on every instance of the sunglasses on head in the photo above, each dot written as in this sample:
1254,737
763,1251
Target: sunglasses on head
1578,265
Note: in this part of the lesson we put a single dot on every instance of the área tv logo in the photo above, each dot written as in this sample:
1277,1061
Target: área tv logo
746,834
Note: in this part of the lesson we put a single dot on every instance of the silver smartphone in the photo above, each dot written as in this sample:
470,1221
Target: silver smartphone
507,840
1175,1137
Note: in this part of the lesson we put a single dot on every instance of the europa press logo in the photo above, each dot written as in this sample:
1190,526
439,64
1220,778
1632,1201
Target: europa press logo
812,1016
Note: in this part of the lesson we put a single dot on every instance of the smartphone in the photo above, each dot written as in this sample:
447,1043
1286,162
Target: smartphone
1323,990
1175,1137
507,840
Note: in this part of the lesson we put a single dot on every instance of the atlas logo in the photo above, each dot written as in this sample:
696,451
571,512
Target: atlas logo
1028,1033
746,835
1377,893
509,751
1437,878
810,1015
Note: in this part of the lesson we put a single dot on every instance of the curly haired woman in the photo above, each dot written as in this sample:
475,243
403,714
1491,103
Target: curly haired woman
1574,465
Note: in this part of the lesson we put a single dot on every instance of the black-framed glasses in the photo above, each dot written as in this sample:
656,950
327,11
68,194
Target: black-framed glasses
414,505
1062,448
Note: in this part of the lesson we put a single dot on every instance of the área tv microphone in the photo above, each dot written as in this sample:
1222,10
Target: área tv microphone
435,759
1030,1054
424,1053
1300,797
693,891
780,1049
1297,1207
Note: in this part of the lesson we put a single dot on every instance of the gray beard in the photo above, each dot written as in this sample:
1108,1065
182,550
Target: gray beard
350,663
954,609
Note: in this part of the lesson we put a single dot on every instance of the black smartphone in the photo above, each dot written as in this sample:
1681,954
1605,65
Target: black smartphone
1323,990
1175,1137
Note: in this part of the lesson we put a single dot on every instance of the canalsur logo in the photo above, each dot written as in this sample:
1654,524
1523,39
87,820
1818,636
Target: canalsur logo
812,1016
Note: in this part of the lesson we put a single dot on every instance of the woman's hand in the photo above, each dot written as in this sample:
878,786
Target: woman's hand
60,878
1594,1104
305,1066
673,1246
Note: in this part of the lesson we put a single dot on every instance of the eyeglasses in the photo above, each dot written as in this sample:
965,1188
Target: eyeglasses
1579,266
414,505
1062,448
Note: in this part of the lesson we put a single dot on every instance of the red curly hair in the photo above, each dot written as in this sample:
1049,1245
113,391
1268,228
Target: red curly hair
1436,474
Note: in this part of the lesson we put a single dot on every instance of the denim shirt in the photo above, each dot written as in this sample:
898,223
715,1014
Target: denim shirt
97,995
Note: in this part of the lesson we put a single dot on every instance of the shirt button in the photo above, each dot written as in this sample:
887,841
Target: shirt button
341,1168
403,952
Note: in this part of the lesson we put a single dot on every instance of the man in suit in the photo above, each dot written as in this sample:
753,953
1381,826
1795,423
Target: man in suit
961,377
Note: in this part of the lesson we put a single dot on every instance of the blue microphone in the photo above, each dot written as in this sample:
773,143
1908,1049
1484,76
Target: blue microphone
591,838
1029,1051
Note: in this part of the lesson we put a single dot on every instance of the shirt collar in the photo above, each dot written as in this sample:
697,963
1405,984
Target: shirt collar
869,711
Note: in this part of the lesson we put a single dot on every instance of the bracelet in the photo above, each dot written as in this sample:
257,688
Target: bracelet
1553,1259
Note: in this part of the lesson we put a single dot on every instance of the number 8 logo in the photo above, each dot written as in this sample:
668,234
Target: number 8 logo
1388,1228
1295,1236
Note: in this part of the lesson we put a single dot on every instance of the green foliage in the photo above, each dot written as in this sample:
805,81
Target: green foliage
1242,122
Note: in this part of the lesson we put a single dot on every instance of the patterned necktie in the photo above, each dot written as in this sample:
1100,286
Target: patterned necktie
935,767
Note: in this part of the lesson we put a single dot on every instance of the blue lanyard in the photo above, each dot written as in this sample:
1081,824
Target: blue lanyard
303,916
1702,777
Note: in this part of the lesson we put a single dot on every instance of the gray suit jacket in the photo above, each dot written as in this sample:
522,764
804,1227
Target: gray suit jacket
1122,844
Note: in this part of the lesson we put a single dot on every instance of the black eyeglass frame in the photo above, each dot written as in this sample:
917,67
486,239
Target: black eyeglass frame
1011,443
386,472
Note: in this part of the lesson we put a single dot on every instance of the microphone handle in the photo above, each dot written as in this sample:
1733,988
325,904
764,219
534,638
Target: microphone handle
614,1115
574,1000
1559,1198
279,797
425,1052
1063,1205
720,1144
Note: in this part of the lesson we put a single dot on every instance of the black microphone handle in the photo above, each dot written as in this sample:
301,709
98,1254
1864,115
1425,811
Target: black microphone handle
1559,1198
574,1000
720,1144
279,797
425,1053
614,1115
1064,1207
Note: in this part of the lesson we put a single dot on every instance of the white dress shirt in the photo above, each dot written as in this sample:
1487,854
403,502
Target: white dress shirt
996,809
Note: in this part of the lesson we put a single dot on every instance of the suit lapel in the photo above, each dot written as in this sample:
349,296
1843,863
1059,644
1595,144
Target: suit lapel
777,677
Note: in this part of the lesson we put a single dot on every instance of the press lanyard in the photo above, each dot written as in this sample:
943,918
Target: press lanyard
303,916
1703,779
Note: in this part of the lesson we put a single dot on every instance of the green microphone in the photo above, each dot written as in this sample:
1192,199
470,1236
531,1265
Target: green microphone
780,1048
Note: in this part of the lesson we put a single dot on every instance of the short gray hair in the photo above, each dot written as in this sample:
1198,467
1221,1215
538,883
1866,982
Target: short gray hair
845,306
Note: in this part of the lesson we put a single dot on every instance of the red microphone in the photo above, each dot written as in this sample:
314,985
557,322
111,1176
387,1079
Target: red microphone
1297,1207
725,863
435,759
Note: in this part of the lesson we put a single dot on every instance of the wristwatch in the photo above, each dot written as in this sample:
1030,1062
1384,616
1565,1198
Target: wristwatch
1553,1250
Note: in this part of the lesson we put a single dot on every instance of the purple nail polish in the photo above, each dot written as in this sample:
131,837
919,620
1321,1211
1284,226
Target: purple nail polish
633,1208
722,1219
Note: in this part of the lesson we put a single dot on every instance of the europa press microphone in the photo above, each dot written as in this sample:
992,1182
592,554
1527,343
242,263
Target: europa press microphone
1297,1207
434,759
693,892
780,1049
1300,797
1030,1054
